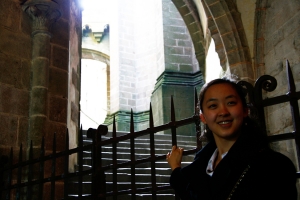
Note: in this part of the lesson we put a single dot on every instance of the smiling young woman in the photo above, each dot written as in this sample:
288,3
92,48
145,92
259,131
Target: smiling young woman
223,113
237,163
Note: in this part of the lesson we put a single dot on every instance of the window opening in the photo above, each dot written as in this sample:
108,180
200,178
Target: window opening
213,67
93,100
93,93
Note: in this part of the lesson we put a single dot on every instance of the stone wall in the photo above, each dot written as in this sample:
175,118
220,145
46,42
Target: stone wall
279,22
15,65
36,38
135,61
17,76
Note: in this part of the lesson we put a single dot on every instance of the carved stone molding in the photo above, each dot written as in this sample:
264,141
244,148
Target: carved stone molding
43,13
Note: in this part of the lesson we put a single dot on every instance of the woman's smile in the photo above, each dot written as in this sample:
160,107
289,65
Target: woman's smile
225,122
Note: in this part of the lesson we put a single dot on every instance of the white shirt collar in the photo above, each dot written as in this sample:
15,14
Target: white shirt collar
210,165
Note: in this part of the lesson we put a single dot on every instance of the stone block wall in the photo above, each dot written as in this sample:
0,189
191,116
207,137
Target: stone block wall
15,63
36,81
281,42
16,78
139,55
178,46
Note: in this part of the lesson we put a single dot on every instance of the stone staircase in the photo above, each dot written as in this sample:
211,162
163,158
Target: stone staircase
163,144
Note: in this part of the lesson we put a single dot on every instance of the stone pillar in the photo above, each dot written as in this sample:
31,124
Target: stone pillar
43,13
181,73
182,87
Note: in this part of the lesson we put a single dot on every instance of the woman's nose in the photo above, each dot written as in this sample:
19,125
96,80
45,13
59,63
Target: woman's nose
223,111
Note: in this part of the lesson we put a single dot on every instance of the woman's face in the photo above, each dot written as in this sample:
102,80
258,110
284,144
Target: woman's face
223,111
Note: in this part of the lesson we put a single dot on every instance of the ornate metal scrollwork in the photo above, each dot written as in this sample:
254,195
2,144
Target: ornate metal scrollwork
265,82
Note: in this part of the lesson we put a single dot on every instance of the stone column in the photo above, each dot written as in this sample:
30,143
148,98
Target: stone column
43,14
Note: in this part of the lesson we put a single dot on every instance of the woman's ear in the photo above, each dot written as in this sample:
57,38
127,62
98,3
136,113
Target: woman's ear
202,118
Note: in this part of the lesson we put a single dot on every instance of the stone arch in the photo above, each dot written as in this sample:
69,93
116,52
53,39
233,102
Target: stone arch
105,58
226,28
95,55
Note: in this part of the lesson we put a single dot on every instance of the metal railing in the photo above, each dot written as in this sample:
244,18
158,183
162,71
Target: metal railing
99,191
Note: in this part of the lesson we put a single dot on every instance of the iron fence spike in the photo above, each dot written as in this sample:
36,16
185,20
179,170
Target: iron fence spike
290,78
131,122
172,110
151,124
114,127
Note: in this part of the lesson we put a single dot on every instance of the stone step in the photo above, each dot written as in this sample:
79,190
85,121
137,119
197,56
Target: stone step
167,137
141,175
160,167
146,197
125,157
124,153
159,135
161,195
142,171
109,186
167,144
143,148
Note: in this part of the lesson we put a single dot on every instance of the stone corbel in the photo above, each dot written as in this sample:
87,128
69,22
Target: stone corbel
43,13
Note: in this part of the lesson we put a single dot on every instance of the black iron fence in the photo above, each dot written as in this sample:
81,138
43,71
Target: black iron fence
24,182
28,183
269,84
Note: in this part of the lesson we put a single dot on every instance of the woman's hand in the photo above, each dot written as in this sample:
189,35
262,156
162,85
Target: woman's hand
174,158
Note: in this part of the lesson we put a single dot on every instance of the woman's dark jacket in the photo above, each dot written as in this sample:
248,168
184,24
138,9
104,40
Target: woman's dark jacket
271,175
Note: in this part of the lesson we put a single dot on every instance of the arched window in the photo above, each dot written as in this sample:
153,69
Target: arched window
94,67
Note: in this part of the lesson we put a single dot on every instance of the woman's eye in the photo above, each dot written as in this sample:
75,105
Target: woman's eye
212,106
232,103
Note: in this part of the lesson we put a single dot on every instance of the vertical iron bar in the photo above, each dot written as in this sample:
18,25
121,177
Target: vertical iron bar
66,167
18,192
173,129
80,163
100,172
41,169
268,83
9,175
30,173
152,152
3,162
173,121
294,108
114,135
53,170
94,166
94,162
2,183
98,178
132,155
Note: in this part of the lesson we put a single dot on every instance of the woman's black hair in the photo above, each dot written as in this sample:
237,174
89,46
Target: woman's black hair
225,80
231,82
